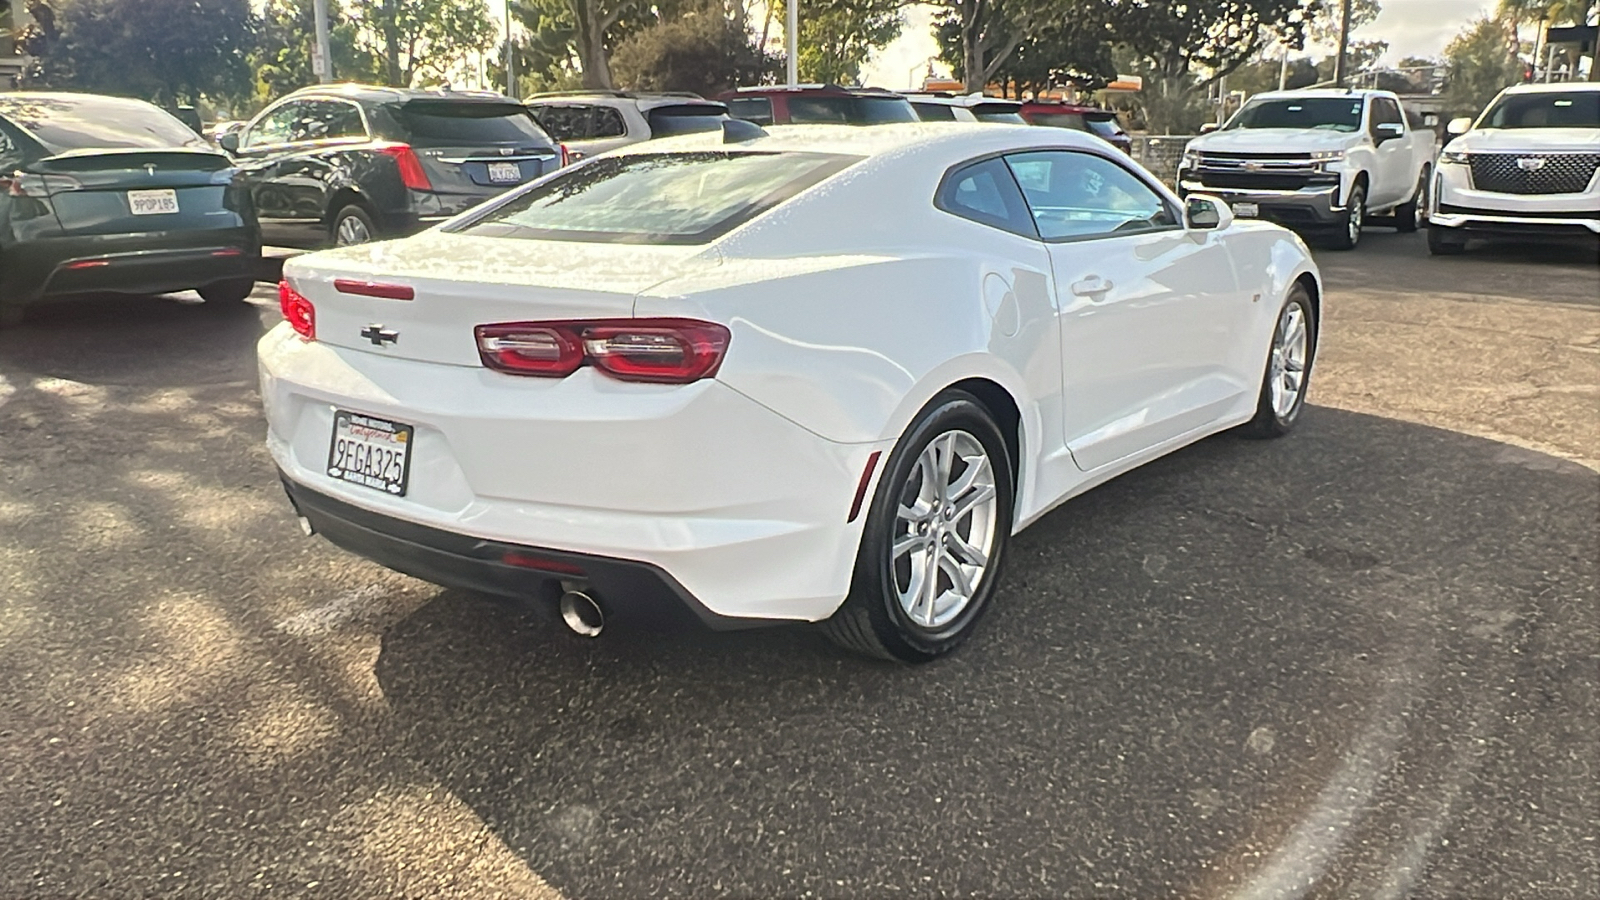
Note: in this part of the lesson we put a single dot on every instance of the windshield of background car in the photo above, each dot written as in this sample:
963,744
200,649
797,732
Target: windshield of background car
1328,113
656,198
1578,109
668,121
444,122
63,123
814,110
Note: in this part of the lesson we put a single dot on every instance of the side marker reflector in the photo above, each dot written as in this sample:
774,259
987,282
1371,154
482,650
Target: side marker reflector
861,489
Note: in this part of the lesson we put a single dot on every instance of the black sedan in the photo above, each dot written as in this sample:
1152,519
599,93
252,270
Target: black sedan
107,194
346,164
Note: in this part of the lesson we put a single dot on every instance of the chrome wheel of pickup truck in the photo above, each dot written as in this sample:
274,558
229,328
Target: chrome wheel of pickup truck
1350,222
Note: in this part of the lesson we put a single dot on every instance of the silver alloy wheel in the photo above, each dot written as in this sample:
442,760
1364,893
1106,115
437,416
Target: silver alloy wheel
1358,212
1288,368
945,529
351,230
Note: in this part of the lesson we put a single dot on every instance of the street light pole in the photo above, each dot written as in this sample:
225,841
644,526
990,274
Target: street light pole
321,61
511,58
1339,73
791,39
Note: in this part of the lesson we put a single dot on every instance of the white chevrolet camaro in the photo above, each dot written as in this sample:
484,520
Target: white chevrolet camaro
820,375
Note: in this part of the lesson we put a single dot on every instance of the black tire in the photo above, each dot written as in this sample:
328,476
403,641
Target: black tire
1268,423
231,293
1445,241
872,621
361,220
1347,232
1408,215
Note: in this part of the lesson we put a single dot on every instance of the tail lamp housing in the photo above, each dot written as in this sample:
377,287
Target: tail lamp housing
412,175
297,311
661,350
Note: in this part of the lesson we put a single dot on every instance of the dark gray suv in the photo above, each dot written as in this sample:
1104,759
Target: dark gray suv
346,164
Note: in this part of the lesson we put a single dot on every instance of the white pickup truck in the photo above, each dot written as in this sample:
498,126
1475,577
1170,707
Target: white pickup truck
1530,166
1319,161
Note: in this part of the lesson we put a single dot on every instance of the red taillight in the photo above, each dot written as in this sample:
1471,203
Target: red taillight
412,174
39,187
667,351
297,311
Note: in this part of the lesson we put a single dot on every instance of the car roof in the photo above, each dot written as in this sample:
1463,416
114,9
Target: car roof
1062,106
829,89
960,138
967,100
379,94
16,97
642,100
1554,87
1317,93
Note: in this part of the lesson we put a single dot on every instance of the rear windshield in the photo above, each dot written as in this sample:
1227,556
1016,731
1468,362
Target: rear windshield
815,110
469,123
1577,109
1104,125
1326,113
656,198
73,123
1060,120
1005,113
667,121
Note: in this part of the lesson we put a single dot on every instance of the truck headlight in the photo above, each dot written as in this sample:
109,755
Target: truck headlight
1191,159
1454,158
1328,156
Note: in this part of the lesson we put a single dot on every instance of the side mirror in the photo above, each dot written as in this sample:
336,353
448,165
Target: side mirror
1459,126
1202,212
1388,131
1209,127
229,142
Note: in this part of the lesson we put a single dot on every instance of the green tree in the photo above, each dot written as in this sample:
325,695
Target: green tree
1323,23
705,50
838,36
983,34
1479,67
282,56
168,51
421,40
1175,39
1072,49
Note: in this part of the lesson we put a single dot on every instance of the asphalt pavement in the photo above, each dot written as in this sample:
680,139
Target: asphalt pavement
1359,661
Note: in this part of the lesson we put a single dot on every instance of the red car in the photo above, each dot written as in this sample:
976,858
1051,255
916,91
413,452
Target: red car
1099,122
817,104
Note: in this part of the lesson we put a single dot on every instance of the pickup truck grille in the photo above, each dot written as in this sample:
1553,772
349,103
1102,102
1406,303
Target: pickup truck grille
1519,173
1263,172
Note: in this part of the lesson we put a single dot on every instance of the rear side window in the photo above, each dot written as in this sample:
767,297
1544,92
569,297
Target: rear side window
751,109
77,123
656,198
986,193
934,112
445,122
607,123
565,123
666,121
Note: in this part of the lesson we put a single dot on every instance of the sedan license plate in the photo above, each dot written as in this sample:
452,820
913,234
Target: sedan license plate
371,452
504,172
153,203
1246,210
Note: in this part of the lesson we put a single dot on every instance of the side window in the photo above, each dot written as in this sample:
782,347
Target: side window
751,109
1385,112
564,123
986,193
819,110
934,112
607,123
275,126
1081,195
344,120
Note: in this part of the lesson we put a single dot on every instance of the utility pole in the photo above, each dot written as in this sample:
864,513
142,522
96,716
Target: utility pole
791,39
1283,70
511,58
321,60
1339,73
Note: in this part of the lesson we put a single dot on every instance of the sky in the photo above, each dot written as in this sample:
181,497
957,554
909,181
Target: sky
1412,28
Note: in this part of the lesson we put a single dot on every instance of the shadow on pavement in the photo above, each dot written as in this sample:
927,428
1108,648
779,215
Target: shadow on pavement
1362,659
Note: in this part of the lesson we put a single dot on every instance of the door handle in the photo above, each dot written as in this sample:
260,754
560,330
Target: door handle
1092,286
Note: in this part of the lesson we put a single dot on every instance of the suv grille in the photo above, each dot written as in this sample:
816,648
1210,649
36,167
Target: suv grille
1516,173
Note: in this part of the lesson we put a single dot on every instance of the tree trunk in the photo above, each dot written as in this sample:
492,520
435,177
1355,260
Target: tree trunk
391,43
592,25
972,44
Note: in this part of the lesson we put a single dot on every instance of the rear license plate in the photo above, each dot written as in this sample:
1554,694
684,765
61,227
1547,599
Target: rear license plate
371,452
153,203
1246,210
504,172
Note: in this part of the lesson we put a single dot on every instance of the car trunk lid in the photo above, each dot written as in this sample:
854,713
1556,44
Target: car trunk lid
123,191
477,148
456,282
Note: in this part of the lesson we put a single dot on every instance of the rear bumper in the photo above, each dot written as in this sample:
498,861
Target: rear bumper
127,264
1310,207
631,592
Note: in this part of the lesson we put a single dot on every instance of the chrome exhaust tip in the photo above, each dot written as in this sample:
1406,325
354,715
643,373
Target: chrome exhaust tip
582,614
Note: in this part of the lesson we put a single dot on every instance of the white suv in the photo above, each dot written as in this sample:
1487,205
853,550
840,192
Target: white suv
939,107
1530,165
591,122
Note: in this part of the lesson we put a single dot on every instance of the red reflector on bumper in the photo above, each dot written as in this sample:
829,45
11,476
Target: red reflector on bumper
526,561
88,264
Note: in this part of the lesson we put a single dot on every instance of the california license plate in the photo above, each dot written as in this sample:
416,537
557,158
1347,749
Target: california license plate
504,172
371,452
153,203
1246,210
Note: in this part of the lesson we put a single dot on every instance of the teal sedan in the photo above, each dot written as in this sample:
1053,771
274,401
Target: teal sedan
104,194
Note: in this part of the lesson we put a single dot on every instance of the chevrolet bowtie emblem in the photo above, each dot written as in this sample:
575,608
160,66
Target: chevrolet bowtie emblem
379,335
1530,163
